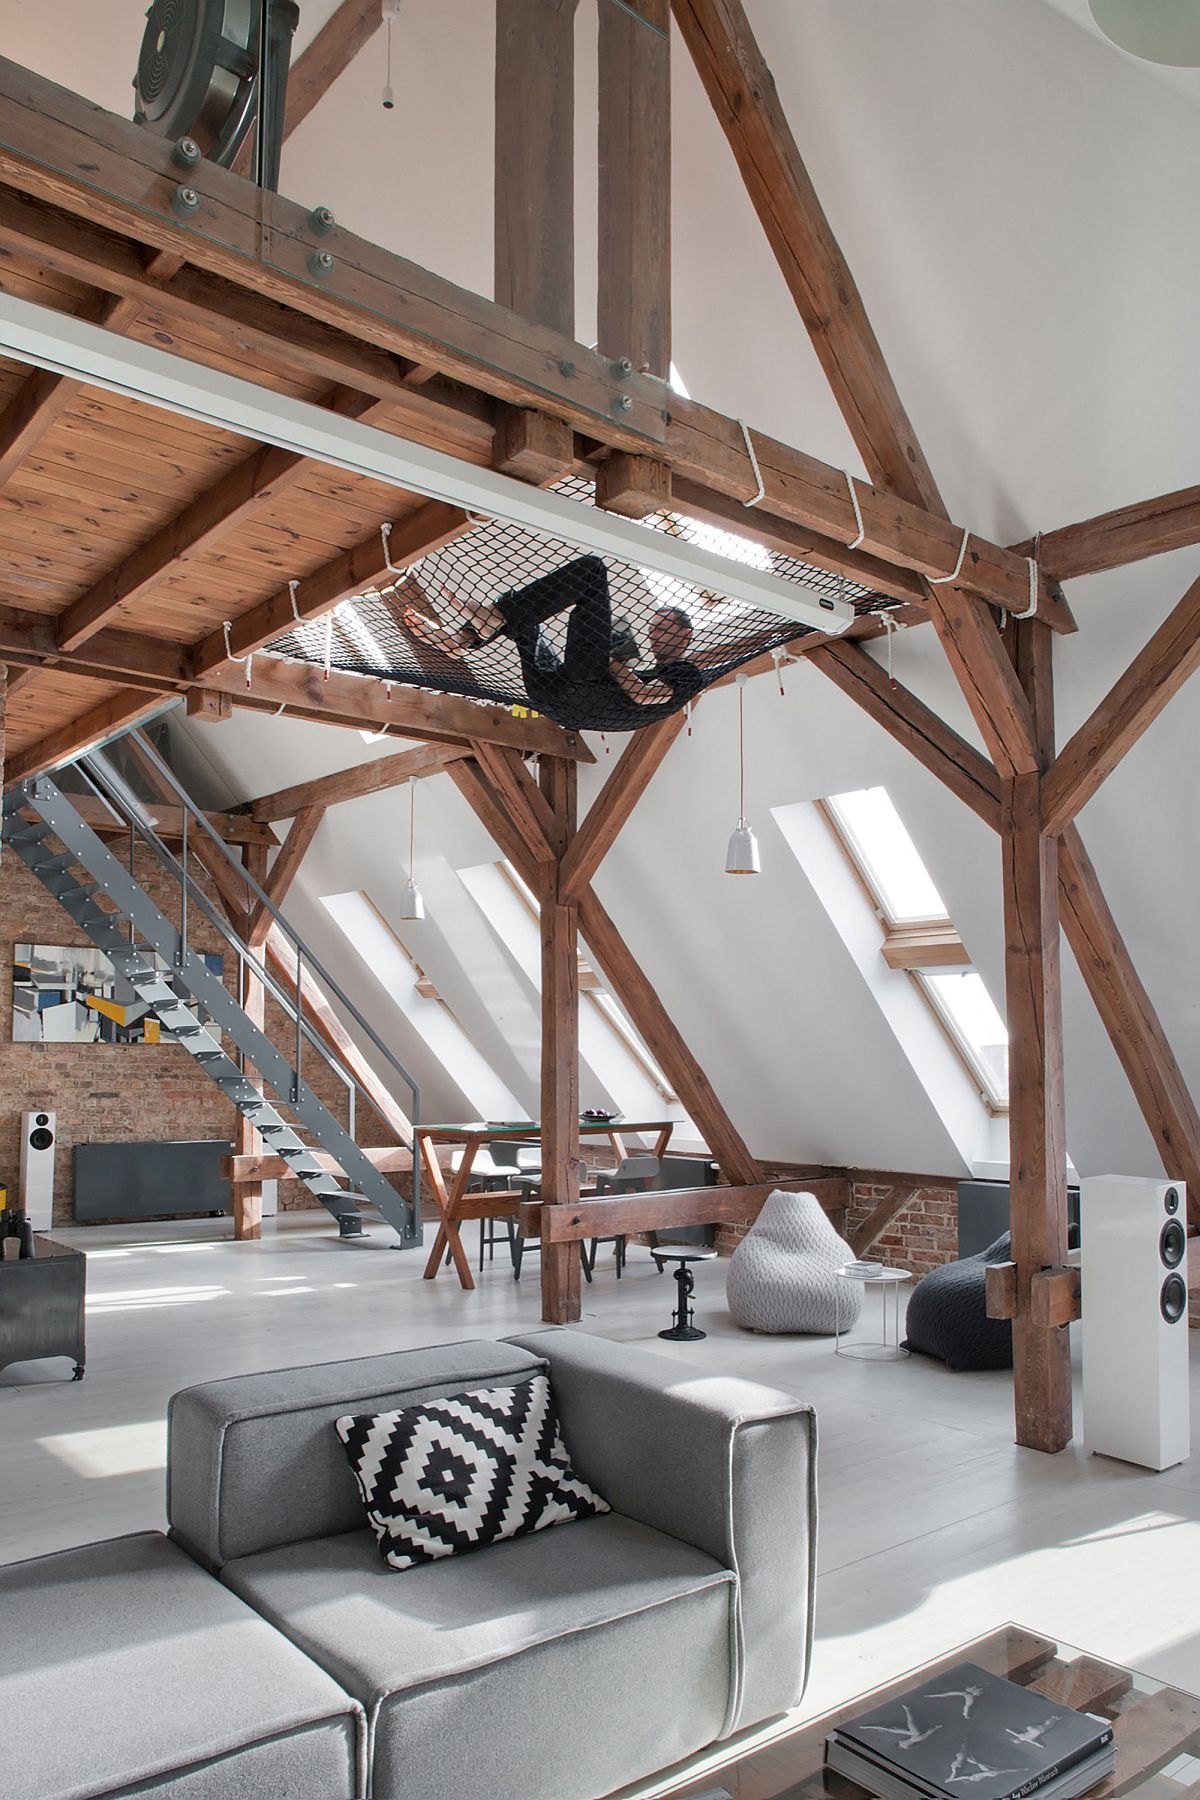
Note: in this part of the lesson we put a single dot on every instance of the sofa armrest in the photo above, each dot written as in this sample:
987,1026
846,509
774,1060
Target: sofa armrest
726,1465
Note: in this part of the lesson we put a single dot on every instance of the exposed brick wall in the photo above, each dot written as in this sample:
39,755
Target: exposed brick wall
108,1093
923,1235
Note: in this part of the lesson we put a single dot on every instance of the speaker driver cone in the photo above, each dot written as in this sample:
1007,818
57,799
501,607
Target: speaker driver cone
1173,1299
1172,1243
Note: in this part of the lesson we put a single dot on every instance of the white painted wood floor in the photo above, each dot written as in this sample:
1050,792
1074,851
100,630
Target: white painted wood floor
934,1527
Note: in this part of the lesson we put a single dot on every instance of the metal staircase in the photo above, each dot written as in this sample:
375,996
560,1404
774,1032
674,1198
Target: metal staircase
73,863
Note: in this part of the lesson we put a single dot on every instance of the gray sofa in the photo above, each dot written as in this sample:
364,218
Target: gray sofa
267,1650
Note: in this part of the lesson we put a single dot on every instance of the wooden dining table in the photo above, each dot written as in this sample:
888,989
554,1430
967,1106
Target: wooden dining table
455,1205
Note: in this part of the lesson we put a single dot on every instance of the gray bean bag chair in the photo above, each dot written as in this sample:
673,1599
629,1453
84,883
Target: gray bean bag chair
783,1274
947,1314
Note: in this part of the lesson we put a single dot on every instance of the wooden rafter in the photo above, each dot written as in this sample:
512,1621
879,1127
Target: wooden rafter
463,335
608,813
419,533
128,708
913,724
354,784
245,490
43,396
1129,1016
1127,535
1125,1008
1156,673
283,872
627,980
742,92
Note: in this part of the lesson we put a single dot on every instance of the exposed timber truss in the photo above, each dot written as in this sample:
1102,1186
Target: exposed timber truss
193,537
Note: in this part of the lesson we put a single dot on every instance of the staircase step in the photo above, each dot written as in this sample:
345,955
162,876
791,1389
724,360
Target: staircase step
78,870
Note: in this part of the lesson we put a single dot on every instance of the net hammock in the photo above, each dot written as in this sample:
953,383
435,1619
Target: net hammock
595,643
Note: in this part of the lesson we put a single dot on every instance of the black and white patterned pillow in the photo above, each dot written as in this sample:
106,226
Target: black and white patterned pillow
450,1475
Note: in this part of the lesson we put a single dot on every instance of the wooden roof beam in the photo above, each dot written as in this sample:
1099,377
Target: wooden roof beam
1132,704
1125,1008
354,784
128,708
283,873
416,535
467,337
1127,535
612,807
743,95
242,492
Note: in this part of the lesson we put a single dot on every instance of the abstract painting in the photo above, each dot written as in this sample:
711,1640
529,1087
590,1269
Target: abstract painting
67,995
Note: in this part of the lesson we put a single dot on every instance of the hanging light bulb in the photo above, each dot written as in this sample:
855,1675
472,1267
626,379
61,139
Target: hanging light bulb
391,10
742,856
412,906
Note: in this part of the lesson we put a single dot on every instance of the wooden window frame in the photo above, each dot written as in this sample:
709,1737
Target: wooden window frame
913,947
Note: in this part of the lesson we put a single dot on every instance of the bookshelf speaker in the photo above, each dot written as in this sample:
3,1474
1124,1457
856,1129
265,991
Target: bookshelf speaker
1135,1320
39,1137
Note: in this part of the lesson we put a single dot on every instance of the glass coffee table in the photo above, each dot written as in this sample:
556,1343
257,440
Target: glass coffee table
1156,1728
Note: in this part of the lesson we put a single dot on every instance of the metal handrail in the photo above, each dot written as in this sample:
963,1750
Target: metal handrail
113,789
98,779
161,769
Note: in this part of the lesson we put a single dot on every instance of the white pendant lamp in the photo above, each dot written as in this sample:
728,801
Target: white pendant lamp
412,906
1160,31
742,856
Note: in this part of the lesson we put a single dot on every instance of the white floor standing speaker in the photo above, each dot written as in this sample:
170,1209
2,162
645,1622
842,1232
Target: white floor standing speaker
39,1137
1135,1320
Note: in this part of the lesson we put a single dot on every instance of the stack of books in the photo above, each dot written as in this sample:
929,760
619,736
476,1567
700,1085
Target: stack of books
970,1735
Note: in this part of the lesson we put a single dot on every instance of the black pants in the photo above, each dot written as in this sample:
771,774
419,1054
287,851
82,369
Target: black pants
580,588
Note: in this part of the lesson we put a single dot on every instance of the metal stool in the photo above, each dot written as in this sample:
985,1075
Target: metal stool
683,1330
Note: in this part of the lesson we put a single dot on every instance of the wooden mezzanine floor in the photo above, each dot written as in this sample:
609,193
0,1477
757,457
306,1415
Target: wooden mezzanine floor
934,1526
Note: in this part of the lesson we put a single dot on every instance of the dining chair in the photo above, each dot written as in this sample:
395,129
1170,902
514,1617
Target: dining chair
530,1183
631,1174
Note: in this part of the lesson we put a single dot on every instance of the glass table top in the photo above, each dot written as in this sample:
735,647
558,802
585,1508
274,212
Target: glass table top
1156,1727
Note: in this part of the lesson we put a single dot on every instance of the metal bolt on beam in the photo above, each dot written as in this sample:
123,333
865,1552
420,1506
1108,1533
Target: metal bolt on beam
185,153
321,220
185,201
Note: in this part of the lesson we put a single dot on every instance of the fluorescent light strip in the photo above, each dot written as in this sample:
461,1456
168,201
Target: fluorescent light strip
90,354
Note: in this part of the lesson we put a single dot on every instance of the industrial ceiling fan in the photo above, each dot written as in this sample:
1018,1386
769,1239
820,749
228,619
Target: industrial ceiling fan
202,75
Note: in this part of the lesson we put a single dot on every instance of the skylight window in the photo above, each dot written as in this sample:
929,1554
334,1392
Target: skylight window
593,993
919,937
886,856
964,1002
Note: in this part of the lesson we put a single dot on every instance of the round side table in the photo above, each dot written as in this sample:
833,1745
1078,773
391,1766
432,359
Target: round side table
886,1348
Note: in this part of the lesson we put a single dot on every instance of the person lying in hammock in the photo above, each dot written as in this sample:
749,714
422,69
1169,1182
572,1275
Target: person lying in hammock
593,686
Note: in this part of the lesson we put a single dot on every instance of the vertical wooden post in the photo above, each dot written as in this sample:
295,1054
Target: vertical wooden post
1037,1129
633,316
560,1048
248,1195
535,164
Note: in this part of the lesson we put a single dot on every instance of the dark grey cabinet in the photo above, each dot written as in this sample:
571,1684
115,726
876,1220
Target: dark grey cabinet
41,1305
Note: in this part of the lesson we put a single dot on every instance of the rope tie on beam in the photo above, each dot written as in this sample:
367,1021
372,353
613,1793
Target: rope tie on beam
292,586
956,571
858,518
227,627
1031,610
891,625
760,488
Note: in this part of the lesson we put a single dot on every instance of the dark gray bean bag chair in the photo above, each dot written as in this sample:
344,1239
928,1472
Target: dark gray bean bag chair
947,1314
